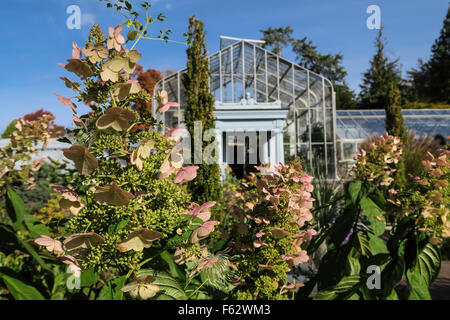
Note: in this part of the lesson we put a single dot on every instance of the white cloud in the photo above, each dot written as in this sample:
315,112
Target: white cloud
168,6
87,19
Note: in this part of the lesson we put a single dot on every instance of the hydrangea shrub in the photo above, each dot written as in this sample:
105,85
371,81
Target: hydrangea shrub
128,206
272,216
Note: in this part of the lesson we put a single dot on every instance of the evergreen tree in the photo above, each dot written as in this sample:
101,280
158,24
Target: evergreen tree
200,107
381,74
276,38
395,124
345,97
432,79
328,65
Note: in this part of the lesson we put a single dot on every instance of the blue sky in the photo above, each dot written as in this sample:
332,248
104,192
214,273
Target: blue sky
35,38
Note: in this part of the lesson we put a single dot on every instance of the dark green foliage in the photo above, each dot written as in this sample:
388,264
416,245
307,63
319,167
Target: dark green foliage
381,74
328,65
345,97
200,107
276,38
395,124
431,80
9,129
327,205
48,175
404,253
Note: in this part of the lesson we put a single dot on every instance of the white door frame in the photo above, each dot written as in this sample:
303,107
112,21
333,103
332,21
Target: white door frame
252,118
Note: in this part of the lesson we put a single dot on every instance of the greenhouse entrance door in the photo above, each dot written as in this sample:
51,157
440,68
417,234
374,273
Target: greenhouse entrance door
249,135
242,151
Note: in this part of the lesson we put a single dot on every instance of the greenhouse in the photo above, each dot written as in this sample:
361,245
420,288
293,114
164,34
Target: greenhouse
353,126
259,92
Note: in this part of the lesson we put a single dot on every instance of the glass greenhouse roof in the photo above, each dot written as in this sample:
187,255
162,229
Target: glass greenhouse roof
360,124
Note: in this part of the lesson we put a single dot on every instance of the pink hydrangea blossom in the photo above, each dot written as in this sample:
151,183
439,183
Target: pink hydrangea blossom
50,244
186,174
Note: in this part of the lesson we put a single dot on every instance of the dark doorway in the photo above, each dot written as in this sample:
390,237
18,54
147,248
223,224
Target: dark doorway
242,151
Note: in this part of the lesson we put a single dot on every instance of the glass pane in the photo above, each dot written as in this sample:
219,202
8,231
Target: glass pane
303,125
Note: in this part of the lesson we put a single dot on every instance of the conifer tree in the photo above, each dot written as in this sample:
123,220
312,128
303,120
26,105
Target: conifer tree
200,107
307,55
432,80
381,74
395,124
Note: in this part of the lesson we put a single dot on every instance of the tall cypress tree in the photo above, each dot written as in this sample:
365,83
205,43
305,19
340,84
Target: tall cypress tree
395,124
200,106
381,74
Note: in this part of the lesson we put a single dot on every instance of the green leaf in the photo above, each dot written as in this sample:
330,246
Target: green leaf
15,208
371,211
393,295
57,296
8,239
331,268
345,289
116,227
169,286
353,261
364,244
379,259
16,211
111,290
377,245
418,285
429,263
392,274
173,267
35,227
88,277
219,245
354,190
20,290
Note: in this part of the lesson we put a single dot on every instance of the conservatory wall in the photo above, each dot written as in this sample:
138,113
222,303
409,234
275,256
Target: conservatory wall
354,126
243,73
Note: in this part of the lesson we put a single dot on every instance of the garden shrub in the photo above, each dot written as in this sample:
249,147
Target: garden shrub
128,206
272,216
19,261
130,217
358,239
425,195
16,166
